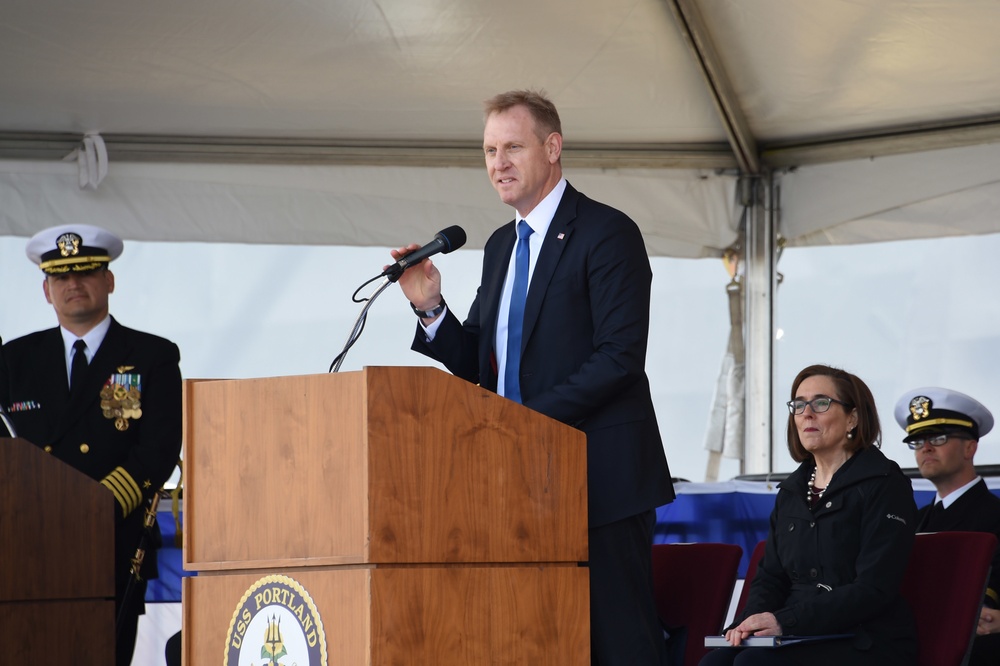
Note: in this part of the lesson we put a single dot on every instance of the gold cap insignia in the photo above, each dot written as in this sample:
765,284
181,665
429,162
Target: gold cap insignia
920,407
69,244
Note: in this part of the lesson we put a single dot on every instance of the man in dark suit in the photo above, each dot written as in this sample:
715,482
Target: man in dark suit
103,398
943,428
573,347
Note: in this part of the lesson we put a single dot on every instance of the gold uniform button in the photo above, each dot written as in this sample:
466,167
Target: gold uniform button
48,449
84,448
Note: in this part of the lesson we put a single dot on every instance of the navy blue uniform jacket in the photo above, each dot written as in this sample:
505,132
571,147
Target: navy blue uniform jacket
34,389
586,325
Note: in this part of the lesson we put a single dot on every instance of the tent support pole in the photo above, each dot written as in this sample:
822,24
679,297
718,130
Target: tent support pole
758,194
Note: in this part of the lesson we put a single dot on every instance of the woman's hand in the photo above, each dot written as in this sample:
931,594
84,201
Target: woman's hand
761,624
989,622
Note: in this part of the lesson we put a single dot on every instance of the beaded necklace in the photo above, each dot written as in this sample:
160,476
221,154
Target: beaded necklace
814,493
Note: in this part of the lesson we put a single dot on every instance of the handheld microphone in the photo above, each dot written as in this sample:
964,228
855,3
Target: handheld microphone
445,241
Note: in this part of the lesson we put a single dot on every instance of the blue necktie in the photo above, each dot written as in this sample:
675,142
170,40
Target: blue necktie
515,317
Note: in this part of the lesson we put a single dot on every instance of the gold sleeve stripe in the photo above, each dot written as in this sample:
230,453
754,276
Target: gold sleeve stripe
106,482
992,594
125,489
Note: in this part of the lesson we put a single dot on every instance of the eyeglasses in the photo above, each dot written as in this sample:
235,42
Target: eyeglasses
936,441
819,405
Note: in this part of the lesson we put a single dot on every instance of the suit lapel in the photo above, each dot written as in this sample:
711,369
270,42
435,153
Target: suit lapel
493,286
556,240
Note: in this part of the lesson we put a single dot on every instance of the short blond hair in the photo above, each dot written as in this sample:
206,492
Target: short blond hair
538,105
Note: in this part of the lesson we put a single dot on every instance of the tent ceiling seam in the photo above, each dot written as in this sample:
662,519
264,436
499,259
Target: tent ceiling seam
895,140
696,34
142,148
954,133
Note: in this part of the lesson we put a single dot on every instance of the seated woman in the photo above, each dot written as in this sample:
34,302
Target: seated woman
840,537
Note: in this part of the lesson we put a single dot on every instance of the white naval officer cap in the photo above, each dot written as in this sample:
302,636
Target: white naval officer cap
73,248
938,411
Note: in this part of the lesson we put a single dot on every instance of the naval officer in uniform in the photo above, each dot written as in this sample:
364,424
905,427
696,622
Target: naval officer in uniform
101,397
943,428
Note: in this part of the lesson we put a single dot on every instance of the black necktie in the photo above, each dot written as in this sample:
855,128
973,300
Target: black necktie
79,367
936,512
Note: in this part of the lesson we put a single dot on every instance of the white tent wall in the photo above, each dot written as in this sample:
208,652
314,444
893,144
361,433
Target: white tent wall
947,192
682,213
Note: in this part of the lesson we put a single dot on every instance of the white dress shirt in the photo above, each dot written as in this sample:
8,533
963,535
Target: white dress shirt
93,339
539,220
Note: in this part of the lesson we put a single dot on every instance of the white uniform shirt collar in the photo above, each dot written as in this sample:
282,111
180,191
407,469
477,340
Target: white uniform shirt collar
94,337
953,496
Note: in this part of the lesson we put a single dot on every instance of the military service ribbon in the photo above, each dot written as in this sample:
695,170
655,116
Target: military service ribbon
121,397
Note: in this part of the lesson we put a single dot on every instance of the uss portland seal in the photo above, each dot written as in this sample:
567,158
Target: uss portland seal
276,624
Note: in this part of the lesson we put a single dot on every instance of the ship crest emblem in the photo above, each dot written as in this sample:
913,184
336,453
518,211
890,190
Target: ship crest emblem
276,621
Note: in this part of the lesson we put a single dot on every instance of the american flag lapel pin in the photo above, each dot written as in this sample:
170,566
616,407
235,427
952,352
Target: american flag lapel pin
561,235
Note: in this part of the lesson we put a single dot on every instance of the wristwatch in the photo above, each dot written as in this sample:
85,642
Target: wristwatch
429,314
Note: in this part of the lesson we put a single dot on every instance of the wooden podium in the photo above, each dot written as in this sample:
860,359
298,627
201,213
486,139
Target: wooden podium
57,585
429,520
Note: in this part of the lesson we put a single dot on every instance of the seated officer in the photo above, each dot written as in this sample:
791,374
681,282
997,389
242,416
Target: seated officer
943,428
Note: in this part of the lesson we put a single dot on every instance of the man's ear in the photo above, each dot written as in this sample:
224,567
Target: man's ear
971,446
553,146
110,277
45,288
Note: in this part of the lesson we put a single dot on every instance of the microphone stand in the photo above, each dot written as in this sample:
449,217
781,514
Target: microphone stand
6,422
359,323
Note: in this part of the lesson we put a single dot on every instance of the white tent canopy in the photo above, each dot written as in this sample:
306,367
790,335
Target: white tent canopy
396,87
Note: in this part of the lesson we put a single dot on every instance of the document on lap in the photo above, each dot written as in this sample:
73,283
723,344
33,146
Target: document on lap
772,641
